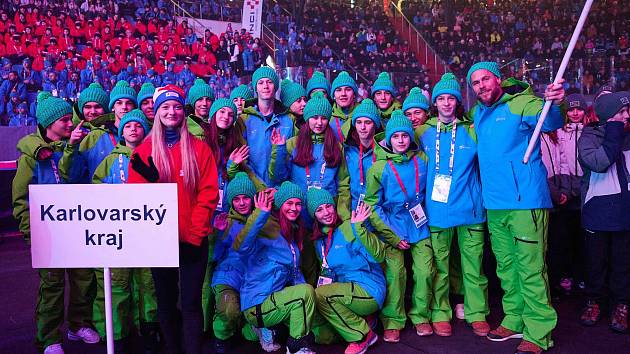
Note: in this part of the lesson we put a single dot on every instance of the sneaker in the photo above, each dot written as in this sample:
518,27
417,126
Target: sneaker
391,335
459,312
590,314
362,347
527,347
480,328
424,329
442,328
619,319
501,334
304,350
566,284
265,337
54,349
86,334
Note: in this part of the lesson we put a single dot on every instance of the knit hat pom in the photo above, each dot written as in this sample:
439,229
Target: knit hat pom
415,91
199,82
319,95
449,76
43,95
122,83
95,85
383,76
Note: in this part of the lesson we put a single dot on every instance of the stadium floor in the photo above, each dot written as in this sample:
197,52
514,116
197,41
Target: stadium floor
17,327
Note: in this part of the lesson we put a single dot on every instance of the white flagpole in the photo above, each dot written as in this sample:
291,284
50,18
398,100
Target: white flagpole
559,75
109,322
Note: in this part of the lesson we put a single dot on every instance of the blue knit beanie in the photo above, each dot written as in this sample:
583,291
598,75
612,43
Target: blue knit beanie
50,109
415,99
488,65
241,91
367,109
122,90
317,81
448,84
198,90
135,115
318,105
398,123
220,103
266,72
343,79
93,93
287,191
290,92
316,197
146,91
383,82
240,185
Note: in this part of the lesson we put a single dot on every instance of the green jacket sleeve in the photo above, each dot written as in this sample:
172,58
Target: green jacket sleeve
344,200
101,174
23,177
233,168
372,244
245,241
374,197
279,163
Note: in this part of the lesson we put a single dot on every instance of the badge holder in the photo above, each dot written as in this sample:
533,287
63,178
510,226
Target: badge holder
220,203
441,188
316,185
417,215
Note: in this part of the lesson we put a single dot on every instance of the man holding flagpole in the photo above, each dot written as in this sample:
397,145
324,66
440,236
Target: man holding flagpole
517,198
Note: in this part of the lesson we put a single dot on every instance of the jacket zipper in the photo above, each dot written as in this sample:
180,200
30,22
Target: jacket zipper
515,181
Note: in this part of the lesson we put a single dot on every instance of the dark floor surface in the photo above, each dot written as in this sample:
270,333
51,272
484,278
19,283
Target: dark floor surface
19,284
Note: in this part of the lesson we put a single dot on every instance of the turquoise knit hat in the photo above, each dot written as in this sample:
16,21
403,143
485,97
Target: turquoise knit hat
198,90
241,91
366,109
415,99
240,185
398,123
287,191
220,103
316,197
135,115
266,72
383,82
488,65
448,84
318,105
122,90
343,79
317,81
290,92
146,91
93,93
50,108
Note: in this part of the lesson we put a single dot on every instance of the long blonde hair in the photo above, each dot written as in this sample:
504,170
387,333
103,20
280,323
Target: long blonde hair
163,159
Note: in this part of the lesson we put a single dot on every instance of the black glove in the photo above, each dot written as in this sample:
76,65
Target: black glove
149,172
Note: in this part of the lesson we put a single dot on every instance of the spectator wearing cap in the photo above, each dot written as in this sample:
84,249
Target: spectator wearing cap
12,84
603,151
88,74
31,78
186,74
53,85
344,91
12,105
154,77
22,117
517,199
145,101
263,117
169,77
293,96
384,95
72,89
564,173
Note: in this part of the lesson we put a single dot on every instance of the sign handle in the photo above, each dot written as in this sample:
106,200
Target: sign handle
109,323
559,75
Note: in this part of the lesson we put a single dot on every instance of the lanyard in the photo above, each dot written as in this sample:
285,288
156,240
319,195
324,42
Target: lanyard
451,160
321,174
294,260
400,182
339,130
361,177
325,253
55,170
122,170
111,136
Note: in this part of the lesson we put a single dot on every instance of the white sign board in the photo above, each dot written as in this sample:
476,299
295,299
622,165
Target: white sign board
252,17
104,225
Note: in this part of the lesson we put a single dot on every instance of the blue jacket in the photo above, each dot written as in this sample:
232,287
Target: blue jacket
114,167
258,134
464,205
93,149
390,218
503,132
353,257
272,263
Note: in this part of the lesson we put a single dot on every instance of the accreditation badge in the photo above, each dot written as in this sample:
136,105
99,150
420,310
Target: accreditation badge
316,185
441,188
220,203
417,215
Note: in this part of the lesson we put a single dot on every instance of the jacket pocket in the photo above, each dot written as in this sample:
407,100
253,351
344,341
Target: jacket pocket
518,192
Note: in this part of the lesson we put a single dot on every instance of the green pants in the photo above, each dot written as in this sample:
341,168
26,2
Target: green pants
294,306
133,300
344,306
227,311
475,283
207,296
393,312
49,311
519,243
455,277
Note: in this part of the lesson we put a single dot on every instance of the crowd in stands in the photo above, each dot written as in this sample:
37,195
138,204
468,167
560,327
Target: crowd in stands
535,32
62,47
